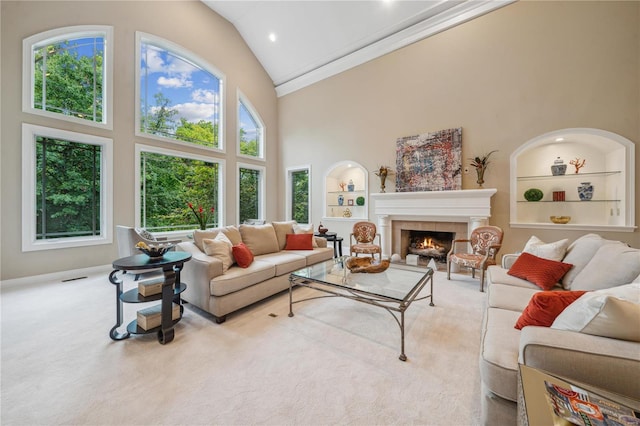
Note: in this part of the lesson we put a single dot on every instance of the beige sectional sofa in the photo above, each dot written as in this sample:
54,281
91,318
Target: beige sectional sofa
604,362
216,284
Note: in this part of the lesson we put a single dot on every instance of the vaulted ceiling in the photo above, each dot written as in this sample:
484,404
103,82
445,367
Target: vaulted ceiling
302,42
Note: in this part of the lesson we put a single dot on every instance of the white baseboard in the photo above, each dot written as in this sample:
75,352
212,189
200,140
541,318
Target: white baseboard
57,276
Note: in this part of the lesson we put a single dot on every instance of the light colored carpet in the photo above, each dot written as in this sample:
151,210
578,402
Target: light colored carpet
334,362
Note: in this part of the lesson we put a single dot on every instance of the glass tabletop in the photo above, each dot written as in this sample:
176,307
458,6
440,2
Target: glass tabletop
395,283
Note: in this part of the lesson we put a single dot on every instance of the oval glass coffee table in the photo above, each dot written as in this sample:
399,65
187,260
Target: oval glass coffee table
395,289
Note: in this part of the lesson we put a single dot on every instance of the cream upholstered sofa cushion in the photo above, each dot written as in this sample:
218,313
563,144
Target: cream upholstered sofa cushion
613,264
579,253
613,312
282,229
260,239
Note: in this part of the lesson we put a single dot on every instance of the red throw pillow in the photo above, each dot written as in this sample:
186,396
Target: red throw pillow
299,242
545,306
544,273
243,255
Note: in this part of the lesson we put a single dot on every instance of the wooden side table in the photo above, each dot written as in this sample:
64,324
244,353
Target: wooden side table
171,264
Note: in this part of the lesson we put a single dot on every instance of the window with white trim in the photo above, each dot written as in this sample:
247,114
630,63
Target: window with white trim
250,130
179,96
251,190
177,191
67,189
69,73
299,194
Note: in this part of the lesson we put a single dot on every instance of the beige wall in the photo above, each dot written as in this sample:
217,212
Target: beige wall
187,23
521,71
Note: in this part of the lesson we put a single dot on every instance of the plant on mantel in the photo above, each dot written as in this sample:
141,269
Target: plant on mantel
480,164
382,173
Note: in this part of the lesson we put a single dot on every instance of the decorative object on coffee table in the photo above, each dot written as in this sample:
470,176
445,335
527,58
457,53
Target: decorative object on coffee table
533,194
585,191
558,168
560,219
366,265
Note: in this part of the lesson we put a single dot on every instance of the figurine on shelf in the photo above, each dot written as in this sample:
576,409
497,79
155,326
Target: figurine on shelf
342,186
578,163
351,186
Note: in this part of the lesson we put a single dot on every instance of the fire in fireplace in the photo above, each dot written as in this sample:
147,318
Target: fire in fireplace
430,244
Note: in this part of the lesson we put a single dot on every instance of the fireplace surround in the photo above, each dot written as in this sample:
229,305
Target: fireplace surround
459,212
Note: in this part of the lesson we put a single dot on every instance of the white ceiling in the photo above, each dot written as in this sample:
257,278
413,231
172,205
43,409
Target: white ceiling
318,39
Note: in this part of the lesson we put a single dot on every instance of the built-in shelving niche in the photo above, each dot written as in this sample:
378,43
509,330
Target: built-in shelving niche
609,166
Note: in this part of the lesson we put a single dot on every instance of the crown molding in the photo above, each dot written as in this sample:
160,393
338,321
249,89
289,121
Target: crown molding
460,14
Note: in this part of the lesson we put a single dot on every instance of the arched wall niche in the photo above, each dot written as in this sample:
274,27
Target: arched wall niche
609,167
346,172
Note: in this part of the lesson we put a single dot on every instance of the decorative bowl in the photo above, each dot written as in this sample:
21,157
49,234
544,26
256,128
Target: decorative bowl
560,219
533,194
154,251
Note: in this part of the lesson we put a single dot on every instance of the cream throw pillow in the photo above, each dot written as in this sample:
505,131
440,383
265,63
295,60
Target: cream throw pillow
579,254
282,229
551,251
305,229
221,248
614,313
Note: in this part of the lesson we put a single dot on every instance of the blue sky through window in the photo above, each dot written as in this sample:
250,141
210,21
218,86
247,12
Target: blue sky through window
193,92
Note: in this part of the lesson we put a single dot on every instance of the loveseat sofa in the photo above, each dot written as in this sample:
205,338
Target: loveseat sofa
598,266
220,279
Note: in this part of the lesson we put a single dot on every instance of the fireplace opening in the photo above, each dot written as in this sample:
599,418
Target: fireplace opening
428,244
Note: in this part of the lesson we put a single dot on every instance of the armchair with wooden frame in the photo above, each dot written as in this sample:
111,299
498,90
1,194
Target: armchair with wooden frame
362,240
485,242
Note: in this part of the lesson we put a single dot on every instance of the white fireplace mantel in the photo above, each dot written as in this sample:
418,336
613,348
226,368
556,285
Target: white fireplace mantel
467,205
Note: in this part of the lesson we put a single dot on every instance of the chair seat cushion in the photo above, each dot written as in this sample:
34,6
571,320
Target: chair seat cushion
470,260
366,248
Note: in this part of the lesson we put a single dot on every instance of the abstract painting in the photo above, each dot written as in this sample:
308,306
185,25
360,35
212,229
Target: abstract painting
430,161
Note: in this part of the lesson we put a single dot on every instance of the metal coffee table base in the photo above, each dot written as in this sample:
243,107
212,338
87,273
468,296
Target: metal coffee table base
389,304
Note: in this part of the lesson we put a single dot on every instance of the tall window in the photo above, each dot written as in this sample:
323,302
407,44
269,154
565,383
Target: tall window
250,192
250,130
298,191
169,181
67,188
179,94
69,74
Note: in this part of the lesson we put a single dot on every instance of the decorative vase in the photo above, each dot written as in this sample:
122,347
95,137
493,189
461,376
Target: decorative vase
383,178
350,186
340,199
558,168
480,172
585,191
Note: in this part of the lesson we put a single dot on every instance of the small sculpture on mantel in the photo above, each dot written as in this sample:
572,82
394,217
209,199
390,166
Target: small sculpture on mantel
578,163
382,173
480,164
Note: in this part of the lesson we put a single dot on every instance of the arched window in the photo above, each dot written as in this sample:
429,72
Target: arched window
68,74
179,96
250,130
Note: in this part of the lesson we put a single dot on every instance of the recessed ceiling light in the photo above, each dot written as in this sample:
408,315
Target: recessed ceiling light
559,139
273,37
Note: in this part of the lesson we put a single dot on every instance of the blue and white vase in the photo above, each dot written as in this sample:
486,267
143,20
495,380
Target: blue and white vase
585,191
350,186
340,199
558,168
